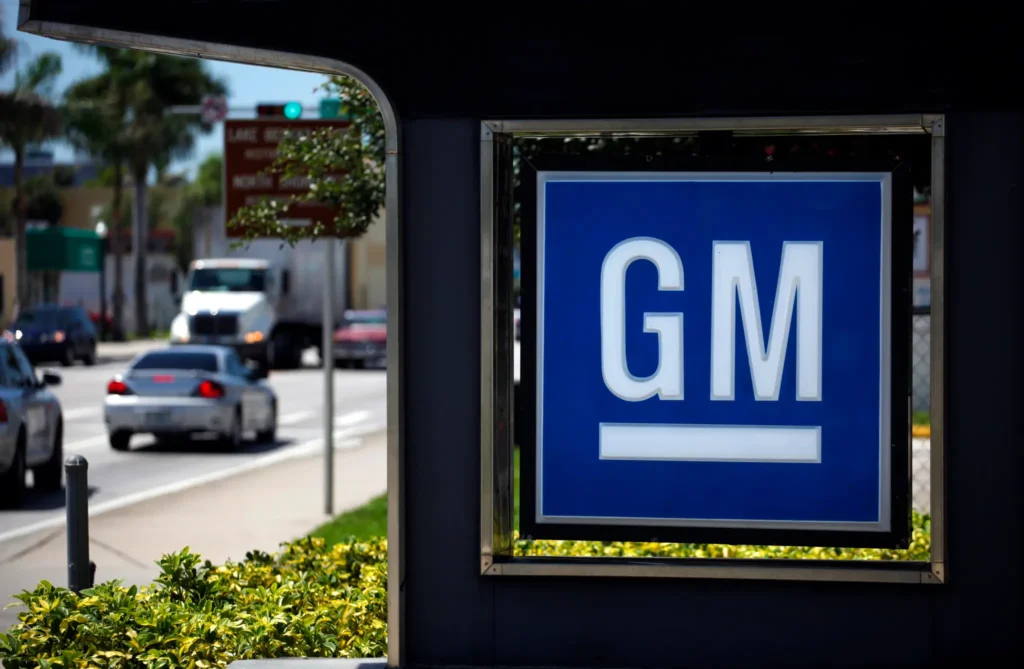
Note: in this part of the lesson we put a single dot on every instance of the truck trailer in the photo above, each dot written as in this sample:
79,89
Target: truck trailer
264,298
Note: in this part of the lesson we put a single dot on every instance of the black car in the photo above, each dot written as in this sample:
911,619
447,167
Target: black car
52,332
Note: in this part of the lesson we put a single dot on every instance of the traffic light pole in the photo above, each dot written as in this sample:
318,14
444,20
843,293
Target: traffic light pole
329,108
327,358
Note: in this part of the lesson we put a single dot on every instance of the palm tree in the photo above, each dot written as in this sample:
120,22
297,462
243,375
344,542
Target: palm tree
97,112
125,115
7,49
26,117
158,136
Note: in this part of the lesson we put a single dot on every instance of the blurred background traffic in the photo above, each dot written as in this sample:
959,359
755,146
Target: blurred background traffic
162,284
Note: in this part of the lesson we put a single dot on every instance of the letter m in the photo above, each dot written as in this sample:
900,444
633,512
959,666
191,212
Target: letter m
800,282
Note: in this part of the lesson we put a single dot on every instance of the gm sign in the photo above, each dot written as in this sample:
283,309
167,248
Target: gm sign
717,356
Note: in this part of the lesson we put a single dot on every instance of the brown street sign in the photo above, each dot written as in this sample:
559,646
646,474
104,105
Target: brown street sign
250,146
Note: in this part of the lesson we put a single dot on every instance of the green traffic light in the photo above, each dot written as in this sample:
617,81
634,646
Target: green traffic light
293,110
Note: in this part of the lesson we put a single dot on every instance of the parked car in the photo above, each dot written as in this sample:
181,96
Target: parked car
362,339
31,427
50,333
185,390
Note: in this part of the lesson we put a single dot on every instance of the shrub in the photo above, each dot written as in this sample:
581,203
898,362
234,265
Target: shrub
919,549
309,600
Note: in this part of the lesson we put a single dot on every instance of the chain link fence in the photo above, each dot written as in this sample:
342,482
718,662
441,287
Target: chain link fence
920,459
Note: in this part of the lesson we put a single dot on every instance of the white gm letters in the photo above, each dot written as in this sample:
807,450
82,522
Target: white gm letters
800,281
667,380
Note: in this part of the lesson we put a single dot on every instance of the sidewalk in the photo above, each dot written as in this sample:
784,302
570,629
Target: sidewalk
123,351
222,520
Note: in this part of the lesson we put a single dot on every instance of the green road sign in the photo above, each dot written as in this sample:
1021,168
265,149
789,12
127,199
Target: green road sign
330,108
64,250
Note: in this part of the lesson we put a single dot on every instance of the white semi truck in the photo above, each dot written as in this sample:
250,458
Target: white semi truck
265,299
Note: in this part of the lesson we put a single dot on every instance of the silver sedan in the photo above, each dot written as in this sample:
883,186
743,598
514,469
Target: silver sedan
185,390
31,427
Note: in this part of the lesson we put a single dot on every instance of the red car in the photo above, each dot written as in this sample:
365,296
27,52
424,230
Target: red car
361,340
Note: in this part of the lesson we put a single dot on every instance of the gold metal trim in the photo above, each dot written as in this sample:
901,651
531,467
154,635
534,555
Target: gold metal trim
807,570
816,125
938,349
487,353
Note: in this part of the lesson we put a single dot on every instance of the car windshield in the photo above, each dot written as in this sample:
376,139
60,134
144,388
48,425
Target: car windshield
187,360
234,280
44,318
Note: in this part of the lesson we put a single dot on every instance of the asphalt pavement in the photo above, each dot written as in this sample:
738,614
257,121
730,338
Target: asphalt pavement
149,470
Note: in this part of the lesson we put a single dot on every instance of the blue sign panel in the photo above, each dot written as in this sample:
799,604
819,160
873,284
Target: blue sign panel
714,350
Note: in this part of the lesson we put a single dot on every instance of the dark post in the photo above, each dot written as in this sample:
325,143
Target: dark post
77,488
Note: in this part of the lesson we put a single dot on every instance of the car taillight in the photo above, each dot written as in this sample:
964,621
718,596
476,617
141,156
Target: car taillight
3,412
117,387
210,390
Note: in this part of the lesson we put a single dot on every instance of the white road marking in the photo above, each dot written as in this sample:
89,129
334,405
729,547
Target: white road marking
345,421
293,418
351,440
83,412
353,418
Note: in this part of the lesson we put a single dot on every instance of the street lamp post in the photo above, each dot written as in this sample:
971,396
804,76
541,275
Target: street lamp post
101,230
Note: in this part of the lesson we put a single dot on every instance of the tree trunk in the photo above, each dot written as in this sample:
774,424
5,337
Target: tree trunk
22,289
141,228
118,247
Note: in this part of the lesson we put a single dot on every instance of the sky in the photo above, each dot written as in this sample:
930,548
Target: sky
248,86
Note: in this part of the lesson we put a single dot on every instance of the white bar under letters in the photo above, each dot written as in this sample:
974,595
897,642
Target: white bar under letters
710,443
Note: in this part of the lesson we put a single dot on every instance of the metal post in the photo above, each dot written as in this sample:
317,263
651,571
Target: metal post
103,291
77,501
327,358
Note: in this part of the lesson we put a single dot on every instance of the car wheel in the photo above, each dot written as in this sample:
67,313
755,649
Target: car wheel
90,357
269,436
119,441
232,439
68,358
12,482
48,475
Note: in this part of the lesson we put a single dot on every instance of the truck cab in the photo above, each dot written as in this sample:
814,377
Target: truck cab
229,302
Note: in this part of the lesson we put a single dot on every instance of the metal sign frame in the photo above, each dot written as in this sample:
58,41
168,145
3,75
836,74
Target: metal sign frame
496,519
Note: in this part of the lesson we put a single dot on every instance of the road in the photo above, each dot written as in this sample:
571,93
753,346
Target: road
148,469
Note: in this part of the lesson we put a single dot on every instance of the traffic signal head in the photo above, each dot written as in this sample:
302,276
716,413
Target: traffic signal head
290,110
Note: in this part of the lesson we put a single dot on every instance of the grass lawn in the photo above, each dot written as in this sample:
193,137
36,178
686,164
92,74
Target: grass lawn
922,418
371,520
366,522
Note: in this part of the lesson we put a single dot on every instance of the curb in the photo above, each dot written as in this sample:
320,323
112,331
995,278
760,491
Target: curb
108,359
132,350
921,431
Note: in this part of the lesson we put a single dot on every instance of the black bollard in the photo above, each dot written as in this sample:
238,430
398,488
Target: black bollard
80,570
